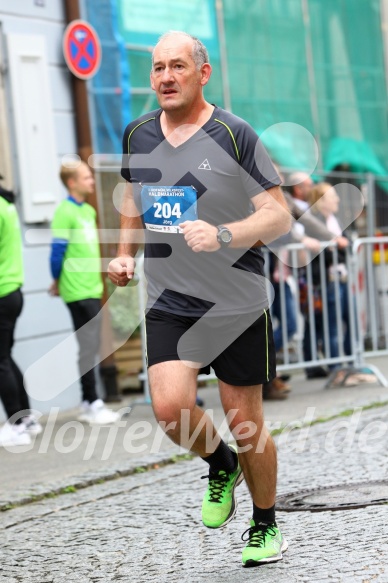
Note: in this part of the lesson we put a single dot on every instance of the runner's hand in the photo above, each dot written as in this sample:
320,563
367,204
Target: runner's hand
200,236
121,270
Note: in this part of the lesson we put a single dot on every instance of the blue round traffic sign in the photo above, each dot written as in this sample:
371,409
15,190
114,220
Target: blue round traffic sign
82,49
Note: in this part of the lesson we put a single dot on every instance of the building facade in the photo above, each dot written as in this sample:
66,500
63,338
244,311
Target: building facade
37,128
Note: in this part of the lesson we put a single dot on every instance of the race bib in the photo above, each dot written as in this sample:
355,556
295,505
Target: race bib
165,207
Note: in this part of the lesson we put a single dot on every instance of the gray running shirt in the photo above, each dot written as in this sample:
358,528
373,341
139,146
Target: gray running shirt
223,165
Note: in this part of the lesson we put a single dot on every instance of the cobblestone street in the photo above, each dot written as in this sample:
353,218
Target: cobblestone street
146,527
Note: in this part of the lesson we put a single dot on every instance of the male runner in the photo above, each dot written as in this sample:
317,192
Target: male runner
201,187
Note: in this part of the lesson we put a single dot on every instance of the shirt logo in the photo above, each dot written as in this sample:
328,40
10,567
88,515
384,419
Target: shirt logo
205,165
89,230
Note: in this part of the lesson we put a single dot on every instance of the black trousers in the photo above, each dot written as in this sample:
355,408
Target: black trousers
12,392
86,316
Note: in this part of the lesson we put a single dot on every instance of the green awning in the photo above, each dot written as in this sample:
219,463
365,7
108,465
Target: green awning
358,156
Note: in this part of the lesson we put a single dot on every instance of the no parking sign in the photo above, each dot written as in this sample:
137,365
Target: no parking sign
82,49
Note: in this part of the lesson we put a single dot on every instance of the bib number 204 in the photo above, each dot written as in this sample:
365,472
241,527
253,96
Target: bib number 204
165,210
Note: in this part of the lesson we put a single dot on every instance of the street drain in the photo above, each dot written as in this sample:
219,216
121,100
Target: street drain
341,497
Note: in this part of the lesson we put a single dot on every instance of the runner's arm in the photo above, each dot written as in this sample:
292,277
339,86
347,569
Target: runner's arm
270,219
121,269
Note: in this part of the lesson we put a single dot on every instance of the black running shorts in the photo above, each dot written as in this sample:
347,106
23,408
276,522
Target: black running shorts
240,349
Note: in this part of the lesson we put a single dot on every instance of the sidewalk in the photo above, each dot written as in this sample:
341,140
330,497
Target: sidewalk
146,526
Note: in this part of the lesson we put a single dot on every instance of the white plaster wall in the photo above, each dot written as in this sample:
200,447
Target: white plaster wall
45,321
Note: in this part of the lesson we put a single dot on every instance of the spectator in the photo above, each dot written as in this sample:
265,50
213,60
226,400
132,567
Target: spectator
301,186
309,231
21,423
75,238
278,389
324,204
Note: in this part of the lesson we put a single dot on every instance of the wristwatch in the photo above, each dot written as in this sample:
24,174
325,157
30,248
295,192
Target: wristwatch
224,236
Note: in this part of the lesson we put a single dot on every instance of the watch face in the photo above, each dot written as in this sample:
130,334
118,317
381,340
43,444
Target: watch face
226,236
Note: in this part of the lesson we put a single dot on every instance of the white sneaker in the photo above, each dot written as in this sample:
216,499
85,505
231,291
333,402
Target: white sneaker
14,435
32,425
97,414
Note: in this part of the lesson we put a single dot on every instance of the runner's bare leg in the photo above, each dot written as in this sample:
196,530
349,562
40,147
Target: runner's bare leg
174,389
259,462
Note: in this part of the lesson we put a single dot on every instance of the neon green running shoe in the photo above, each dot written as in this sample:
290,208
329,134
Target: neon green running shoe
219,503
265,544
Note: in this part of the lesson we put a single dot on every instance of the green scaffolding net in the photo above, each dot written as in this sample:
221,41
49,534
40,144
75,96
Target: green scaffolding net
318,64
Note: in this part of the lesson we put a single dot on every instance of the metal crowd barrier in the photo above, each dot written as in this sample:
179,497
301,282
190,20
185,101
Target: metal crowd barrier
292,273
370,269
362,287
360,282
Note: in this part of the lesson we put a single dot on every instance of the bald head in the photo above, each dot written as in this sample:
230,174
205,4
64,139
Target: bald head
199,51
298,178
301,185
